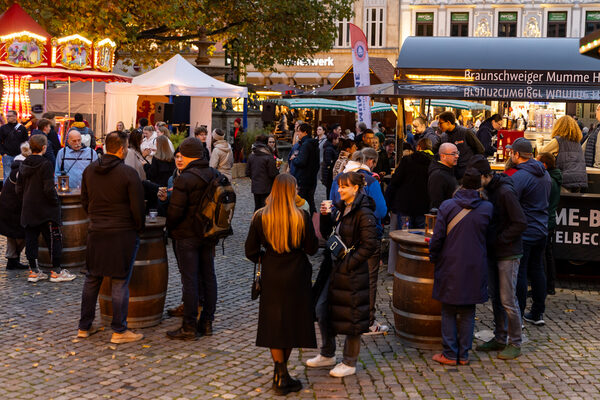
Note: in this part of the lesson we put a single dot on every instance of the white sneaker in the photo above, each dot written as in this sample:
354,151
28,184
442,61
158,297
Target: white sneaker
36,276
64,276
341,370
320,361
377,329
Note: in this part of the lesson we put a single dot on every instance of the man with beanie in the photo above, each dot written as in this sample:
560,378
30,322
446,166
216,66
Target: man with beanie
195,255
442,182
532,185
87,135
113,197
458,250
505,249
12,134
306,165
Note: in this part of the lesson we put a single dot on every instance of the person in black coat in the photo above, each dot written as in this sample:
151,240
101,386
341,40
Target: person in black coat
10,218
487,131
113,198
407,194
53,135
12,134
163,163
44,129
442,181
262,170
343,307
330,155
306,165
285,318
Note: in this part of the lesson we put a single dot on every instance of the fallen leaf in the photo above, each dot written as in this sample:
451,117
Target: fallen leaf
72,353
145,346
35,365
50,312
569,310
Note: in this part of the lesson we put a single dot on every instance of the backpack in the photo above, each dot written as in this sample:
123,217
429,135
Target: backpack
214,213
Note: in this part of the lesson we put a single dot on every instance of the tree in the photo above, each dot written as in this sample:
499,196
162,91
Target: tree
262,32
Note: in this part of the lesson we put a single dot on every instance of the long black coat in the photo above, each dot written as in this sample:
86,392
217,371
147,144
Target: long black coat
159,171
10,206
348,296
330,155
113,196
306,163
35,185
262,169
285,318
407,192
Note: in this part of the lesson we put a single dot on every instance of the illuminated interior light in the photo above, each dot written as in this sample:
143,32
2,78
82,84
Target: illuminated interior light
439,78
74,37
22,33
105,42
268,93
15,95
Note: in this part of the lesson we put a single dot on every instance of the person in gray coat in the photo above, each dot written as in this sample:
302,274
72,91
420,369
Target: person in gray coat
221,157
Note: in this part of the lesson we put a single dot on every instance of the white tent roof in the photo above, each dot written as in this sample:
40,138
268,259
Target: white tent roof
177,77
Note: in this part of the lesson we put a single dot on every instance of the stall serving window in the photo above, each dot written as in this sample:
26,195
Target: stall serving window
507,24
374,19
459,24
592,21
557,24
424,25
343,34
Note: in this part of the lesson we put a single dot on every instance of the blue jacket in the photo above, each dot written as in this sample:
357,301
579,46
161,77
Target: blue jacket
371,189
460,275
484,134
75,162
290,163
532,185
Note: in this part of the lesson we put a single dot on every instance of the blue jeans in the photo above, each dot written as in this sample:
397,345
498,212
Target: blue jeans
458,323
502,285
6,163
414,221
532,264
120,298
196,261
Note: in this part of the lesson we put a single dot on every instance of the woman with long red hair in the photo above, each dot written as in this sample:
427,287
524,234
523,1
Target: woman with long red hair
280,237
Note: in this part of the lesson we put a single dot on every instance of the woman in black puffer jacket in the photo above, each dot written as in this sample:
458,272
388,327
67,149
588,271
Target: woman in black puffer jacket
343,306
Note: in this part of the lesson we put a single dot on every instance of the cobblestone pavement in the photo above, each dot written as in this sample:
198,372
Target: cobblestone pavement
41,359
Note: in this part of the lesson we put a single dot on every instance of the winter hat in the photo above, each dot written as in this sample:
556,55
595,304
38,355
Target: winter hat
471,179
239,121
521,145
218,134
480,163
192,148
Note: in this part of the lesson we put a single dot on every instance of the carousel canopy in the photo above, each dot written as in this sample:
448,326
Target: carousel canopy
15,20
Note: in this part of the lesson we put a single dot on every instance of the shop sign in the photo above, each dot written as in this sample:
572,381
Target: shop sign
557,16
460,17
314,62
592,16
425,17
507,17
577,235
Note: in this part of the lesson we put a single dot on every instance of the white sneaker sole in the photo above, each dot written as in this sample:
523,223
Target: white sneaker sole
62,279
321,364
341,375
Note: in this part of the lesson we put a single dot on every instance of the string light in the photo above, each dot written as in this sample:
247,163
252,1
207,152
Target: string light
74,37
17,35
15,96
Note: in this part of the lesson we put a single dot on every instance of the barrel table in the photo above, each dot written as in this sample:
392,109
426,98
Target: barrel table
417,316
148,285
74,232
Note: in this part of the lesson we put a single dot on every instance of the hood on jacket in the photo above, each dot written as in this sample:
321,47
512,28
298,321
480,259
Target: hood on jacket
499,180
31,165
487,124
422,157
532,166
439,166
361,200
556,175
260,148
222,145
107,163
200,163
353,166
467,198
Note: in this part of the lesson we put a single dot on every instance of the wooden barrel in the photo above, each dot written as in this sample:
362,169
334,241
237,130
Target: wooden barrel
417,316
148,285
74,232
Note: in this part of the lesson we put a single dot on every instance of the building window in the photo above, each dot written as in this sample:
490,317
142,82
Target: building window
424,26
459,24
592,21
374,24
507,24
557,24
343,34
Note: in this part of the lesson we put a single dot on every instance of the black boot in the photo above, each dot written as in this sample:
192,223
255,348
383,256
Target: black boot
283,382
205,327
184,333
13,263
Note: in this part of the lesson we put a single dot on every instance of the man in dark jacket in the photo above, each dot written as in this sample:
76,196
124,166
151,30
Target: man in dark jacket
407,194
532,185
10,219
113,197
41,211
306,165
44,129
53,135
442,181
504,251
12,134
422,131
195,255
591,145
487,130
458,249
262,170
463,138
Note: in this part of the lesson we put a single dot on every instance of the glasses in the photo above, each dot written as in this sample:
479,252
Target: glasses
455,154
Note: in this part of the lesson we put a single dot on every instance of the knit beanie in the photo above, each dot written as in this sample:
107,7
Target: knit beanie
471,179
218,134
480,163
192,148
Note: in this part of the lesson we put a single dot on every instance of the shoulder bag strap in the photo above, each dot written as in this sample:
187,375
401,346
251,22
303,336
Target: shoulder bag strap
457,218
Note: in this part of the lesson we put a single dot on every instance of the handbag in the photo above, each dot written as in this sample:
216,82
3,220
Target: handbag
256,284
337,247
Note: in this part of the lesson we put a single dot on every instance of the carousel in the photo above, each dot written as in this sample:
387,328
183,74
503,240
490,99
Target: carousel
29,53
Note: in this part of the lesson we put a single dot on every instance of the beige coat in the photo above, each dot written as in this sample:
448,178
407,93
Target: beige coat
221,158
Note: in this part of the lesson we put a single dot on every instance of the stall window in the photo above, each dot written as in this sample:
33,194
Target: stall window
592,21
507,24
557,24
459,24
374,24
343,34
424,24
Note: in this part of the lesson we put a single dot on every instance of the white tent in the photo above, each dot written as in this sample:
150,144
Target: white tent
176,77
79,100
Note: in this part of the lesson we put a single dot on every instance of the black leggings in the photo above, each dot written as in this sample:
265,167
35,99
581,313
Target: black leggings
53,238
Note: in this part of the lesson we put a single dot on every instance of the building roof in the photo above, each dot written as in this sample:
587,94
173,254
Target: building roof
382,71
15,20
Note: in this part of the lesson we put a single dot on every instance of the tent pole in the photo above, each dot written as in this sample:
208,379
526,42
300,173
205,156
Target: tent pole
93,126
428,108
400,130
69,97
45,93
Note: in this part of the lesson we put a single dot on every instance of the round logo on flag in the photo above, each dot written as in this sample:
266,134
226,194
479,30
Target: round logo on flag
360,51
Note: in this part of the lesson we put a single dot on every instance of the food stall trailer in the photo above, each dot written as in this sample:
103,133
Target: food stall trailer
542,73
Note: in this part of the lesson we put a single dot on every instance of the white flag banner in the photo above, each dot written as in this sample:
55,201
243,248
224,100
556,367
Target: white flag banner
360,65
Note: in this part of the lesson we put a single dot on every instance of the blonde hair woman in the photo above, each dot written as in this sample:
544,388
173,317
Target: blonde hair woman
280,237
565,146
